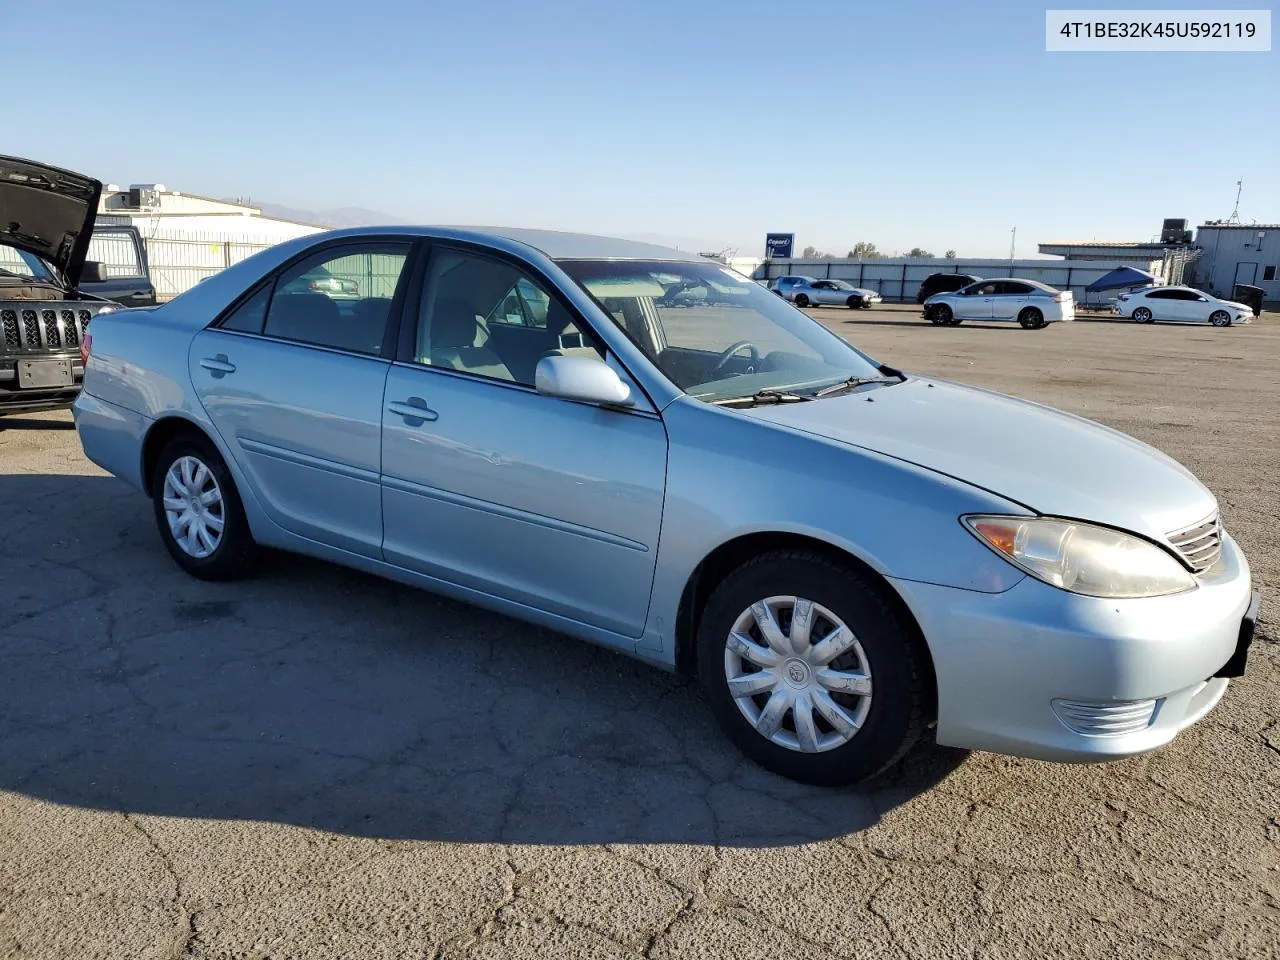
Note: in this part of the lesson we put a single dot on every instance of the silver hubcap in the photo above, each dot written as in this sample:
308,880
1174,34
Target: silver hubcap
193,506
798,674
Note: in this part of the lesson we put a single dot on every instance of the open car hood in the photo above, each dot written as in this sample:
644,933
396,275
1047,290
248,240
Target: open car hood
48,212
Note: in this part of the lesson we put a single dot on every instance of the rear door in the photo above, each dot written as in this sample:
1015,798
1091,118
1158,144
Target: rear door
1009,299
292,379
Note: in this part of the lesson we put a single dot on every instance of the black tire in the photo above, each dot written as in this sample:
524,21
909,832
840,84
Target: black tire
896,717
853,303
236,553
1220,318
941,315
1142,315
801,300
1031,319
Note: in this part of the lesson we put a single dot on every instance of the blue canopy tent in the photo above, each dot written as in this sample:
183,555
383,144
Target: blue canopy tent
1117,279
1122,277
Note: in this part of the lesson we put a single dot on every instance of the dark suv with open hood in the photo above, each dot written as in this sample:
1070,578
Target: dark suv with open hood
46,221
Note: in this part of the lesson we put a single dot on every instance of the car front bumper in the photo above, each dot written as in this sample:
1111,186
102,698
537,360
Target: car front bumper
1042,673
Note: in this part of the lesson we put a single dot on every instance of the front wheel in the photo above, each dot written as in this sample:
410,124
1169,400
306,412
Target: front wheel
801,300
810,671
1220,318
198,511
941,315
853,303
1031,319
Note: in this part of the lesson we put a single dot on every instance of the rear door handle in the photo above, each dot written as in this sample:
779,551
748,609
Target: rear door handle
413,409
218,365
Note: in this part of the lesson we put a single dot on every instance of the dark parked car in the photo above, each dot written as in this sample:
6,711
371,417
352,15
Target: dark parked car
120,250
46,219
943,283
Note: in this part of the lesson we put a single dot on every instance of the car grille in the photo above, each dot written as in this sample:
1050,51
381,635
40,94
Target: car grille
24,330
1200,544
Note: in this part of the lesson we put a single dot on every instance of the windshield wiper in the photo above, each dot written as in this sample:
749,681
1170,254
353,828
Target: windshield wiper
853,383
761,397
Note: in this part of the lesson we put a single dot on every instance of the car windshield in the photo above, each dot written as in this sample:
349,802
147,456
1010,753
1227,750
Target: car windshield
19,263
715,333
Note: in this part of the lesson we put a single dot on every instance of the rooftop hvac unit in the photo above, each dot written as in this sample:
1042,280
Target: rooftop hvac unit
1175,231
145,196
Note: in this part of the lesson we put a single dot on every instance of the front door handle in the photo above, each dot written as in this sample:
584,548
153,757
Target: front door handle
218,365
414,409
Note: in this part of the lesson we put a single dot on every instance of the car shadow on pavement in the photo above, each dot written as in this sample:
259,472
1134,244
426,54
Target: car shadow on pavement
323,698
18,422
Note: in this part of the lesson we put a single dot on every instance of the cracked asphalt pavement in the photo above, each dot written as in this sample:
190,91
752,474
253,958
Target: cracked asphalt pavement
317,764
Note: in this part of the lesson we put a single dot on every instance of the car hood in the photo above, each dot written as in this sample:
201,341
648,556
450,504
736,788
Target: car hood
1047,460
48,212
1238,306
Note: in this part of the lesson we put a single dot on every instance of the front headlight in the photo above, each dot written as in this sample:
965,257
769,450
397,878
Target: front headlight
1081,558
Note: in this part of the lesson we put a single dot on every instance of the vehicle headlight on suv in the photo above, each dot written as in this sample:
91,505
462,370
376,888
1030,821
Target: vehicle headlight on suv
1082,558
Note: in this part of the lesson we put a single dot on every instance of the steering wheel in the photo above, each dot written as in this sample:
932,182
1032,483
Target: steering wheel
731,350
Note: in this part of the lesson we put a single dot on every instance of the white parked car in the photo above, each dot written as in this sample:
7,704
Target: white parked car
1031,303
1181,304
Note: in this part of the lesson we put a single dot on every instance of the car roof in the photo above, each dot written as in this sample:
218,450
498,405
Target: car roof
555,244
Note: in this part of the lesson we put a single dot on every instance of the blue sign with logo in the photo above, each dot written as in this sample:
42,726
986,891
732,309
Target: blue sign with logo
778,245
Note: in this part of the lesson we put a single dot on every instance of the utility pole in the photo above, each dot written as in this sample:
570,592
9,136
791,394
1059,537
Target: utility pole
1013,239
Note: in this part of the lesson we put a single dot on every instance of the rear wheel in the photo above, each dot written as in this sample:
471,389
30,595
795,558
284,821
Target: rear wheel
198,511
808,669
801,300
1142,315
1031,319
941,315
1220,318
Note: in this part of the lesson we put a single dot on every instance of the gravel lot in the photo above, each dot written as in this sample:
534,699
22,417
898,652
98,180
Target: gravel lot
316,764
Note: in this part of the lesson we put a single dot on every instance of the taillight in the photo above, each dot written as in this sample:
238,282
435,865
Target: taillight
86,346
315,285
1123,296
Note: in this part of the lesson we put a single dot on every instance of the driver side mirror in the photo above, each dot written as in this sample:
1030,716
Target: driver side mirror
586,379
93,271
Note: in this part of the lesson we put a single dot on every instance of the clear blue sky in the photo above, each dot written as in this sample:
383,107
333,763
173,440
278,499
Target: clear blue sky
939,124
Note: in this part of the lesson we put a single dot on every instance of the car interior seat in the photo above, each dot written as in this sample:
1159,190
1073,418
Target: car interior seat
457,341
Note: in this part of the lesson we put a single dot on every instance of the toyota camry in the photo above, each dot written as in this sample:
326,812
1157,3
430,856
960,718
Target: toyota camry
644,449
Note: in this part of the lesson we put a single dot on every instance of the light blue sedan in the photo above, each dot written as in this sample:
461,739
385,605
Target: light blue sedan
652,452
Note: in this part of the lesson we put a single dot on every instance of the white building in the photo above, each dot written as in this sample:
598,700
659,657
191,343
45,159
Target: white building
189,237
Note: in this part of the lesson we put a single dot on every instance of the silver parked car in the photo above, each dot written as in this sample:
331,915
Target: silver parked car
669,460
830,293
1033,304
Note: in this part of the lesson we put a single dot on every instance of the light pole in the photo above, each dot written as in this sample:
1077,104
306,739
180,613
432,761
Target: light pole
1013,239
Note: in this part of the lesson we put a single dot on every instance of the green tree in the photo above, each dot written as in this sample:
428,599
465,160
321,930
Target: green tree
862,250
950,254
917,252
808,253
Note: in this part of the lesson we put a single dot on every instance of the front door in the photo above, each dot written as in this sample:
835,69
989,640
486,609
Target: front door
976,302
292,380
490,485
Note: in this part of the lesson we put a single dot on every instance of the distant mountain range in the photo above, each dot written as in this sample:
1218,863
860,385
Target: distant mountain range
364,217
336,217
